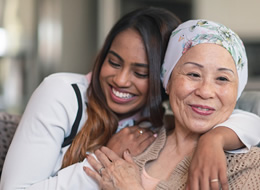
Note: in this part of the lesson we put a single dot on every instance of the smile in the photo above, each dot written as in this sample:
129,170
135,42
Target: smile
122,95
202,110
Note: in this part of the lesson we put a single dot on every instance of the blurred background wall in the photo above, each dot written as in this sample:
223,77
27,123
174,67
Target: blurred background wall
40,37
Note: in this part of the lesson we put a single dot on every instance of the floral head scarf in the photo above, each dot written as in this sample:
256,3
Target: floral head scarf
196,32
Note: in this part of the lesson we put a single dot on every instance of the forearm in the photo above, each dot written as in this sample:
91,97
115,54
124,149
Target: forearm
225,137
246,126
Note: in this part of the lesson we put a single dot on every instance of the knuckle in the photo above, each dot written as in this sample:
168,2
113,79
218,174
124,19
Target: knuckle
118,162
97,151
125,130
131,136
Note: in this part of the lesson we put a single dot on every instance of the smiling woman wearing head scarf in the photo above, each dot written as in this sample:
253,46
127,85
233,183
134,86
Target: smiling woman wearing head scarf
196,32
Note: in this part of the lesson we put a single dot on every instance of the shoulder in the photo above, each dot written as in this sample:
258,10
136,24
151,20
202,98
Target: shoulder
243,161
55,96
59,85
243,169
153,151
253,154
66,79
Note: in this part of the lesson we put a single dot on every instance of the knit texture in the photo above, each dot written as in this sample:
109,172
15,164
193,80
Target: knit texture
243,169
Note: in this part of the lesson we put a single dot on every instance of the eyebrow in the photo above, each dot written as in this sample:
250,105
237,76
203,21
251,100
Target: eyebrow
115,54
201,66
121,59
192,63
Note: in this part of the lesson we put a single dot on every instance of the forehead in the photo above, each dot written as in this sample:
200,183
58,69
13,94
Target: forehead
127,36
209,55
129,45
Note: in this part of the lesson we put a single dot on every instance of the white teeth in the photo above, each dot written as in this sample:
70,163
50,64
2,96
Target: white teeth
121,94
204,109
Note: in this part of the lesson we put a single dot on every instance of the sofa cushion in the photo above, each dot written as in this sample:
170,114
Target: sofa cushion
8,124
249,101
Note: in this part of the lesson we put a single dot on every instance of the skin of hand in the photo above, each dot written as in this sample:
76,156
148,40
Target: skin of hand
209,160
131,139
118,173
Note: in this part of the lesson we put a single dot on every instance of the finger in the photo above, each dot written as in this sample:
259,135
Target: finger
139,132
145,136
146,142
92,174
127,156
214,180
94,163
102,157
142,131
132,129
214,183
192,182
223,180
204,183
109,154
187,187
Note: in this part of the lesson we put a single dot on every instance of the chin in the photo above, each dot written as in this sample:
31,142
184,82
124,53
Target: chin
120,111
201,129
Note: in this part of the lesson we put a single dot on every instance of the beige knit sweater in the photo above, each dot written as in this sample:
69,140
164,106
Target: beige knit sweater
243,169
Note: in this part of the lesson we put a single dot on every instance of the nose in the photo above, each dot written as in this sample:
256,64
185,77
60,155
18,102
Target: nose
205,89
122,78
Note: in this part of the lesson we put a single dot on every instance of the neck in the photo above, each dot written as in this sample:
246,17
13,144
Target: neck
183,141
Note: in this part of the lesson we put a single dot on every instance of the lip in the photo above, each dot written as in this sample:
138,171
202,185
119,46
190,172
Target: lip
118,99
202,109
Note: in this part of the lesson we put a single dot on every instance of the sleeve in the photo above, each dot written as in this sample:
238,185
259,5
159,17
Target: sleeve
71,178
34,155
247,126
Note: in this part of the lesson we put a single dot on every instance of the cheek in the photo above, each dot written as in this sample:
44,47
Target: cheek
104,69
103,75
176,92
228,95
181,87
143,87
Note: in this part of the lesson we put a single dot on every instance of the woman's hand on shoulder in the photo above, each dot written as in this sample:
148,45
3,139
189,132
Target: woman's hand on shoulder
208,168
113,172
134,139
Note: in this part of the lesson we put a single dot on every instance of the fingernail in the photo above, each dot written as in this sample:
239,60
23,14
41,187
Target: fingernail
155,135
127,151
87,155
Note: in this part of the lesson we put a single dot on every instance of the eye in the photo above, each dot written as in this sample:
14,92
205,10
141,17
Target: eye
222,79
139,75
195,75
114,64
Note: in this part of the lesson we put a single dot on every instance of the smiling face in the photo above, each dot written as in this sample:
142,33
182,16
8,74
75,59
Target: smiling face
203,88
124,74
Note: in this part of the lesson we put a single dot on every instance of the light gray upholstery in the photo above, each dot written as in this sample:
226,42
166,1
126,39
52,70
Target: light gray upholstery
250,101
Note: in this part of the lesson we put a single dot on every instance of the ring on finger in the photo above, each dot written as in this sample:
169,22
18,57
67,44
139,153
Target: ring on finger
100,170
214,180
140,131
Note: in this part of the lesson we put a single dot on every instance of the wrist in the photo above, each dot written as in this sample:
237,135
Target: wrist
214,136
224,137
